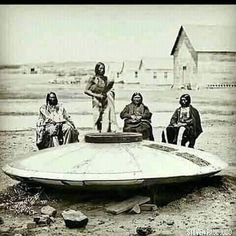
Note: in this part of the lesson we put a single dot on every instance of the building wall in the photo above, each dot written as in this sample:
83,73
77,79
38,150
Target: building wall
185,63
217,68
161,76
130,77
115,76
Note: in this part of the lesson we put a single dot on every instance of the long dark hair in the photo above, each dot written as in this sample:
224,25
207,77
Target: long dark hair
47,97
187,97
132,98
97,66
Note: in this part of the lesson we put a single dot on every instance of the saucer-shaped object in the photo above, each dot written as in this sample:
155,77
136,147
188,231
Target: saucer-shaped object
102,163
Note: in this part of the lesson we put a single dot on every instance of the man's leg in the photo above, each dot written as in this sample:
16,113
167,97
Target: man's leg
172,134
105,122
184,141
67,133
192,143
185,138
52,131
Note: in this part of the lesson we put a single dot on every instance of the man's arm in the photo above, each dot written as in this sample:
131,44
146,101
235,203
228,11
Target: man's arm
125,113
89,92
147,114
67,117
45,116
174,118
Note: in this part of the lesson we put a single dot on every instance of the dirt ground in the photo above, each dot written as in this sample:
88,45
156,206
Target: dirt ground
183,209
205,207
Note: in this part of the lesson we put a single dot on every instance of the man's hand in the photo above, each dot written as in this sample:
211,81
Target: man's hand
99,96
133,117
180,124
52,121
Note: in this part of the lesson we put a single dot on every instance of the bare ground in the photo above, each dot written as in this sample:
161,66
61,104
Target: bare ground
206,206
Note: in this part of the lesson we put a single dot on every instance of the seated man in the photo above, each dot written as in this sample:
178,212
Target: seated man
185,116
137,117
54,126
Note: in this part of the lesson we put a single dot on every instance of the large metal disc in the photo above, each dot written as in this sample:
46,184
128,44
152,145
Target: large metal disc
102,164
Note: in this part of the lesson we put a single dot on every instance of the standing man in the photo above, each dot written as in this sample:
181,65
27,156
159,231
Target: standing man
185,116
100,89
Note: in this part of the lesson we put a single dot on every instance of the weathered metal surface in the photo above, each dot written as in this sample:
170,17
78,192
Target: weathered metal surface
113,137
106,164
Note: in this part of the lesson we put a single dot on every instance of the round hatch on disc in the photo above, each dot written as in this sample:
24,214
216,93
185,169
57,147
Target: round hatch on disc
113,137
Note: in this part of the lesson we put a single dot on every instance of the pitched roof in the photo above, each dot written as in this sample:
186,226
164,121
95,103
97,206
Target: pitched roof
209,38
115,66
155,63
130,66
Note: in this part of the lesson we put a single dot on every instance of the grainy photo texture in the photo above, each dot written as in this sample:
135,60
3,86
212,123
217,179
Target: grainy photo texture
117,120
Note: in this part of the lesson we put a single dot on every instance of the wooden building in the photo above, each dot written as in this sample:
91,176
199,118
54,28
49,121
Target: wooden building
114,70
156,71
130,72
205,56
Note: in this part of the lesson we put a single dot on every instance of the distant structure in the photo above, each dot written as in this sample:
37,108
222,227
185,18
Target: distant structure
130,72
114,70
205,56
32,69
157,71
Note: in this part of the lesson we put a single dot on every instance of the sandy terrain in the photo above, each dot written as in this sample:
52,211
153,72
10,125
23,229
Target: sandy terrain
205,207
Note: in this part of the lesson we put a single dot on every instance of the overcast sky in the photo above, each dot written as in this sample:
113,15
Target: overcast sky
42,33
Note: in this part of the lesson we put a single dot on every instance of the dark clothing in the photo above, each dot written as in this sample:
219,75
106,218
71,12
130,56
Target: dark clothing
141,125
193,127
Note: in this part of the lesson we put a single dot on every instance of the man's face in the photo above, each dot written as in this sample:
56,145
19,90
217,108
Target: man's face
52,99
101,70
183,102
137,99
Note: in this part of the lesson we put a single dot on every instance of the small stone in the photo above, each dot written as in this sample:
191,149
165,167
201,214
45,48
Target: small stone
48,210
169,222
156,213
74,219
144,230
101,222
45,220
36,219
31,225
42,220
148,207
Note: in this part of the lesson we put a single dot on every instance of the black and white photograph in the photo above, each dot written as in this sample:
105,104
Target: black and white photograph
117,119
